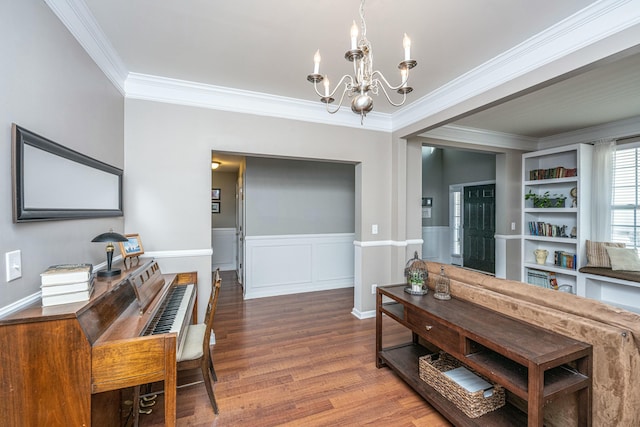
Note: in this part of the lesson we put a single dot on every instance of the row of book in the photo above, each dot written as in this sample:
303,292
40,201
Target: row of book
544,279
66,283
538,228
551,173
564,259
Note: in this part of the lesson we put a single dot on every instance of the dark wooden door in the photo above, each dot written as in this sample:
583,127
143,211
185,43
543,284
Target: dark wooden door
479,226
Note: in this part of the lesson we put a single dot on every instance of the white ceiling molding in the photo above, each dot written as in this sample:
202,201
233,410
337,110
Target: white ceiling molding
75,15
598,21
482,137
162,89
615,130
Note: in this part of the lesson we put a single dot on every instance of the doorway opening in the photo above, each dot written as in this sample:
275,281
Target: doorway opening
458,227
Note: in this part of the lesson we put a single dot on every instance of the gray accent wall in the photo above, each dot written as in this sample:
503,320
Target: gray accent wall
444,167
285,197
50,86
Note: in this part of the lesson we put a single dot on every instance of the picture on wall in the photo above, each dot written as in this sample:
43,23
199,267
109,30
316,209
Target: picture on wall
215,194
215,207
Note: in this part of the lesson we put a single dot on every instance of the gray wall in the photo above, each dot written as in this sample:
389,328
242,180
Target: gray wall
226,182
432,176
298,197
444,167
49,85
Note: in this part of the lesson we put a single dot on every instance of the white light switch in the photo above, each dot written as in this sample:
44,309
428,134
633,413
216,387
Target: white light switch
513,226
13,265
374,229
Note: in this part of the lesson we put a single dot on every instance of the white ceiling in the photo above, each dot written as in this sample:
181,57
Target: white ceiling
268,46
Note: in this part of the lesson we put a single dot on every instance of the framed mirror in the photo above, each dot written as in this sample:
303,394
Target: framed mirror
53,182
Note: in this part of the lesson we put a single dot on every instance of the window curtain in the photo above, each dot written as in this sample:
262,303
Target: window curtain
602,182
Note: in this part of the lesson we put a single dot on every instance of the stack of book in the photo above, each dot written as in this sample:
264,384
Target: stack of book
66,283
565,259
544,279
551,173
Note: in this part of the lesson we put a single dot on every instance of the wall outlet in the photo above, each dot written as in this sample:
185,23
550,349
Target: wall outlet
374,229
373,289
513,226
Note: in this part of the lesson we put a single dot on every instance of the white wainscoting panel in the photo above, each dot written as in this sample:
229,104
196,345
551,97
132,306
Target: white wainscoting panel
435,246
223,245
280,265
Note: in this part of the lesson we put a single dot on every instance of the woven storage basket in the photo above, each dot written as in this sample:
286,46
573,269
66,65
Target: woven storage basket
474,404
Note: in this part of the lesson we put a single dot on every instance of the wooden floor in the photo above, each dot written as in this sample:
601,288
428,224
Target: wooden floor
298,360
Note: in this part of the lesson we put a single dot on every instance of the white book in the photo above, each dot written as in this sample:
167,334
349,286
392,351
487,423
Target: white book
66,273
66,288
67,298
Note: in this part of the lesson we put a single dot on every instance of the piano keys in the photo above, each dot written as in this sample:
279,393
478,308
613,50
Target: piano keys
67,364
173,315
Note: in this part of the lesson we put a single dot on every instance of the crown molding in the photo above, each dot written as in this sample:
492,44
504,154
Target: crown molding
470,135
163,89
596,22
75,15
614,130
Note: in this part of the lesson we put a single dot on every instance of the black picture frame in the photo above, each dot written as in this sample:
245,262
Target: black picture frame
76,186
427,202
215,207
215,194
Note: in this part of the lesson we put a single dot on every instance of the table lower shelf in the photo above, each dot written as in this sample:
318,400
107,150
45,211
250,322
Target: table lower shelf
404,361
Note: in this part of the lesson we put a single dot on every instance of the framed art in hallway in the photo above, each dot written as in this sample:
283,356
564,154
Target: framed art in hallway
215,194
215,207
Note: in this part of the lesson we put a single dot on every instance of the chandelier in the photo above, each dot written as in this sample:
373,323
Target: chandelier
365,81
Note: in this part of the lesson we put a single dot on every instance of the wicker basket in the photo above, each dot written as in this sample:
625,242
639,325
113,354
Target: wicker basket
474,404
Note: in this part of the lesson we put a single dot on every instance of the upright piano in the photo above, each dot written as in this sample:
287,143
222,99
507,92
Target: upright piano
67,365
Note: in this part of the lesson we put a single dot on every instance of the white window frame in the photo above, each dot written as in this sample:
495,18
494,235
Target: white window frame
632,238
455,212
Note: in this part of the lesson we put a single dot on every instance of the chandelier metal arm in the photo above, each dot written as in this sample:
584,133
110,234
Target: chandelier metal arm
386,95
379,74
348,86
339,104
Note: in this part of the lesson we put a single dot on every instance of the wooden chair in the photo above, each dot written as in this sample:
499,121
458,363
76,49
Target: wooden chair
196,350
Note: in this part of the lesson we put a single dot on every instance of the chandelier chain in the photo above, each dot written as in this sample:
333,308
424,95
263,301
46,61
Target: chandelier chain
363,24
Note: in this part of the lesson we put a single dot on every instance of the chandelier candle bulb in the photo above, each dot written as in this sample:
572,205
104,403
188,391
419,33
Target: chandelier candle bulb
406,43
405,74
316,62
326,86
354,36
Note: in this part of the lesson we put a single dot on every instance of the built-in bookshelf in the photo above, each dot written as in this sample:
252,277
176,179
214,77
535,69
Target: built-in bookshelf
558,181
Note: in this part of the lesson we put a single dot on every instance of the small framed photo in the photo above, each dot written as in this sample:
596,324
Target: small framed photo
132,247
215,207
215,194
427,202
